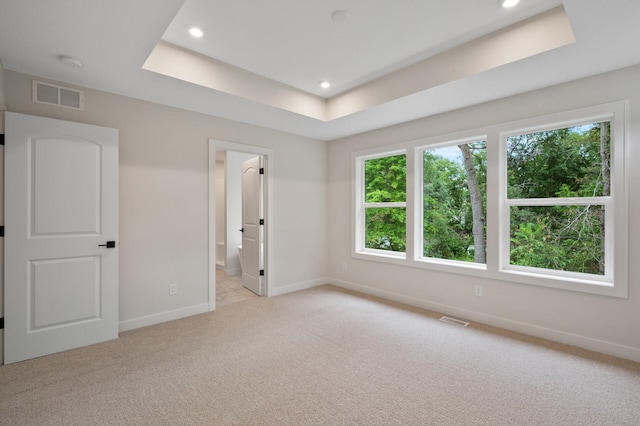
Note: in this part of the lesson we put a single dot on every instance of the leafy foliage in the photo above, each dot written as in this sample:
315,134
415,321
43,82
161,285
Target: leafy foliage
448,216
555,163
386,228
386,181
564,163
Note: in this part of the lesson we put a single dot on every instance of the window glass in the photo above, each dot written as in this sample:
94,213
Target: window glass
386,179
454,202
569,162
560,166
385,194
561,238
386,228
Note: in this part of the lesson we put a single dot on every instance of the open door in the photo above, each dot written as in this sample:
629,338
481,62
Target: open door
252,229
61,219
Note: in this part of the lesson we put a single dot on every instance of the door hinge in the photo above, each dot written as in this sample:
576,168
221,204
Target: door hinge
1,138
262,272
1,231
1,323
261,221
261,170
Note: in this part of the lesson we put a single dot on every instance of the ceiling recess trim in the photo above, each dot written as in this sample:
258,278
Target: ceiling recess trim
541,33
183,64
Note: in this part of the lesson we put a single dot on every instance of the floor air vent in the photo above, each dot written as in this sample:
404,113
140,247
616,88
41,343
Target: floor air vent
50,94
454,321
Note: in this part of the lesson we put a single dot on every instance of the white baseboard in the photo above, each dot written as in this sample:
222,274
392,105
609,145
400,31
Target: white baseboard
199,309
278,291
163,317
584,342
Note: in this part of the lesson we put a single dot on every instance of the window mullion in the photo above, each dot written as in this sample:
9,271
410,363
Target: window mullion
495,217
359,213
574,201
385,205
410,204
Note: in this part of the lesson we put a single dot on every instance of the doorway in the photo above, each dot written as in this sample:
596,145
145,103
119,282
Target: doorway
227,169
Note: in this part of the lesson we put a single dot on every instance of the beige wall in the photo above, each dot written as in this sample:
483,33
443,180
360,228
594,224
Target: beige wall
164,198
598,322
1,93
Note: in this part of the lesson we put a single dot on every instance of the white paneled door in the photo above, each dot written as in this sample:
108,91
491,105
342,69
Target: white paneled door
252,230
61,229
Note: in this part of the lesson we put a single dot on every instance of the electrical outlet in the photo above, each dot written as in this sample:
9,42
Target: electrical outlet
173,289
345,266
478,290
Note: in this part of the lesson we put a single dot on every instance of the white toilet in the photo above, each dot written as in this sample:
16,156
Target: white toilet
240,255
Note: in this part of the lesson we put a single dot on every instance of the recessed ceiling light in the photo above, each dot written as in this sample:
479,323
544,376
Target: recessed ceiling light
508,3
196,32
325,84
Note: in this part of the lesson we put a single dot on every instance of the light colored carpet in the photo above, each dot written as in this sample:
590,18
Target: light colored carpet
322,356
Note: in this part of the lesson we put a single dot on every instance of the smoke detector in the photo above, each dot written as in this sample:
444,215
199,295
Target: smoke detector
72,62
340,16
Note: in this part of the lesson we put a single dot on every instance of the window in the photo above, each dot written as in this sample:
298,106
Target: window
542,201
382,203
563,204
454,197
558,194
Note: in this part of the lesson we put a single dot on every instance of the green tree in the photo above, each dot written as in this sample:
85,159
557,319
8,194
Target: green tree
386,181
563,163
454,203
477,204
445,194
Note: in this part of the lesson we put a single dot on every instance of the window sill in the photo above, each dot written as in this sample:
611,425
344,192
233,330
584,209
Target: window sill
581,285
575,284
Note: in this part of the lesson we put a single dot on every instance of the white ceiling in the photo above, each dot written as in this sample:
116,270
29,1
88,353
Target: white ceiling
296,44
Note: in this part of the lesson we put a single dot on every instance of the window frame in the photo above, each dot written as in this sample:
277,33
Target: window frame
361,206
615,281
418,231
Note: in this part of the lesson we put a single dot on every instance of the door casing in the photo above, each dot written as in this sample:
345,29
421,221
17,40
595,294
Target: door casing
268,161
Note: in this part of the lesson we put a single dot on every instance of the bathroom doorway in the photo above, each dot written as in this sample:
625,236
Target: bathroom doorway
238,246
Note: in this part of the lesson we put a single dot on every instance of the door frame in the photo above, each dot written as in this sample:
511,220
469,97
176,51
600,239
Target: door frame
267,155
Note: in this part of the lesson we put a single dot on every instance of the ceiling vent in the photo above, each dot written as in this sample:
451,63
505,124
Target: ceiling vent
50,94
